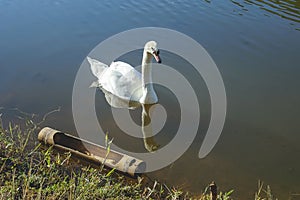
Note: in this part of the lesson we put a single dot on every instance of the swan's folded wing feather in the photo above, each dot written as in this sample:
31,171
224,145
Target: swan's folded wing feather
130,85
122,67
97,67
124,83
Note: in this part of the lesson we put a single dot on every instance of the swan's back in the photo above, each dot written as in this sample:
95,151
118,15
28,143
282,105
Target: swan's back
120,79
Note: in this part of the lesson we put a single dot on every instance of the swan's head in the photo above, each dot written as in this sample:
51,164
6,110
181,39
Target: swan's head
151,47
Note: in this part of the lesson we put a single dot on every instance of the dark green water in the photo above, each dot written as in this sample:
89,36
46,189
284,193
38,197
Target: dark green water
255,45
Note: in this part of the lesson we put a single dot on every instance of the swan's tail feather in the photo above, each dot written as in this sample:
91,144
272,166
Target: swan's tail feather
95,84
97,67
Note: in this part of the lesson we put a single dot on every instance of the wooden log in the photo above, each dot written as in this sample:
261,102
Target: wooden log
91,152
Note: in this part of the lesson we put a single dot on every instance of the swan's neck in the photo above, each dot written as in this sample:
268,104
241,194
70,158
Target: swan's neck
146,70
149,96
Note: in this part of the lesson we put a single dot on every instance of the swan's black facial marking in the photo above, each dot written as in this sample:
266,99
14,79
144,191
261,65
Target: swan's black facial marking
156,52
153,50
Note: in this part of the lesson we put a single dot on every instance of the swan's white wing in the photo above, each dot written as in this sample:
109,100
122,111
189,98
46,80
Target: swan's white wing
97,67
123,68
122,80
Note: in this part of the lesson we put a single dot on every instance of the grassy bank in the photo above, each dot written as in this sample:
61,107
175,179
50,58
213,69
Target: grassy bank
29,170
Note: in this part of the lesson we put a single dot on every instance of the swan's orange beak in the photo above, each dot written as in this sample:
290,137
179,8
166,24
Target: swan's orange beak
157,58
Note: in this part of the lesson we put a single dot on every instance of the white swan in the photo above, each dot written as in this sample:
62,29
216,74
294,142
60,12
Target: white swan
124,81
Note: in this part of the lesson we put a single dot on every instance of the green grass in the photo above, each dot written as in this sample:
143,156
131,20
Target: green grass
29,170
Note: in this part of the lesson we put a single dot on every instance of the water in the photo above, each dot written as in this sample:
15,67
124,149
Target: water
255,45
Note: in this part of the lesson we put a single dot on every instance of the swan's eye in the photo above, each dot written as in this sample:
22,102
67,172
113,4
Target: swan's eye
157,52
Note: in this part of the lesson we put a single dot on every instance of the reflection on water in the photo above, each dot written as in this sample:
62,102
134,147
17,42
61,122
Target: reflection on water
147,131
149,142
289,9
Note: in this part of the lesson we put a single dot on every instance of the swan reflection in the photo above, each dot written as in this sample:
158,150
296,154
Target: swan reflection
147,109
147,130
